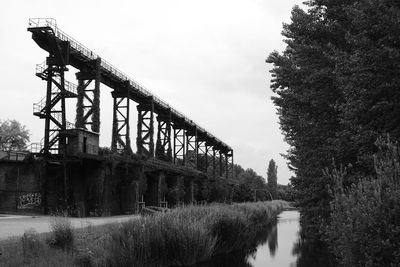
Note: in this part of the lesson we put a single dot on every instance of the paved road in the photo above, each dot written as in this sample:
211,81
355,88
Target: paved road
13,225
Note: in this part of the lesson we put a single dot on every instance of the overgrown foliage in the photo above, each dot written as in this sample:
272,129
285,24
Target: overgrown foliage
366,216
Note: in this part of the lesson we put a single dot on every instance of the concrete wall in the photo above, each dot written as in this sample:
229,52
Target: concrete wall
93,187
20,187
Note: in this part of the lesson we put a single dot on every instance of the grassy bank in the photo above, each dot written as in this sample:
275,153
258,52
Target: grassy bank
181,237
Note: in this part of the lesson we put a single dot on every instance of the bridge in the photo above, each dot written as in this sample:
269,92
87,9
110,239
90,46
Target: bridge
172,150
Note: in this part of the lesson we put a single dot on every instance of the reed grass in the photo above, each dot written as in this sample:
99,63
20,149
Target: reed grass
181,237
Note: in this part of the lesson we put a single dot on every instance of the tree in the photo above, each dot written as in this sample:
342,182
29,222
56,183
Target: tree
336,86
13,135
306,98
272,178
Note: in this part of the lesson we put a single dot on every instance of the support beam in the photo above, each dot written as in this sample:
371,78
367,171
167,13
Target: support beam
201,155
221,169
230,167
145,129
191,148
88,104
179,145
121,142
163,145
214,159
52,108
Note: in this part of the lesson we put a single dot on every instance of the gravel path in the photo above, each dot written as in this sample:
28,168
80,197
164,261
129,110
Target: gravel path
14,225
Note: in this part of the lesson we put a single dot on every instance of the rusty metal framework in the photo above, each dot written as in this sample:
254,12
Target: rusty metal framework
221,164
192,145
201,155
230,167
191,148
88,104
179,145
214,162
163,145
52,107
121,142
145,128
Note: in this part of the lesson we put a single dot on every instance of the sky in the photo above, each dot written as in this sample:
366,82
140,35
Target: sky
205,58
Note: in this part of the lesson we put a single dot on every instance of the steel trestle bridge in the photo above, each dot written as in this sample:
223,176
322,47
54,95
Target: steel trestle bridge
179,140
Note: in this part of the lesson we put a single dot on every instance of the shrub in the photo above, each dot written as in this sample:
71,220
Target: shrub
364,230
62,235
31,244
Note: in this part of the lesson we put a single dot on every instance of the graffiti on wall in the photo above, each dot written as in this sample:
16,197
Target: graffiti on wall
29,200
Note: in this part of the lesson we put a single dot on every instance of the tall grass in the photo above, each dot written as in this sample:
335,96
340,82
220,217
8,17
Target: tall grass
187,235
181,237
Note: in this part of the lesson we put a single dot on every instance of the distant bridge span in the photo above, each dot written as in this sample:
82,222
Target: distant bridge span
180,141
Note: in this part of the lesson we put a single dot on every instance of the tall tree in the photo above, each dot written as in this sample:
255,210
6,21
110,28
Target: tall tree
13,135
272,178
336,86
306,99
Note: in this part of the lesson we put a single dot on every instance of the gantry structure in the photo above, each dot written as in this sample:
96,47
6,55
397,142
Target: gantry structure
179,140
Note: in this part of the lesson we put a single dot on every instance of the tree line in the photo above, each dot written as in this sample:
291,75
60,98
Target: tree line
338,99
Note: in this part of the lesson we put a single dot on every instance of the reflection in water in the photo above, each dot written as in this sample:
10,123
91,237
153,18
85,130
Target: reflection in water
273,241
292,251
311,251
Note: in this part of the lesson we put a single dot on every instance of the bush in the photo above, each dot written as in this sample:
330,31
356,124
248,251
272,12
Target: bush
62,235
365,225
31,244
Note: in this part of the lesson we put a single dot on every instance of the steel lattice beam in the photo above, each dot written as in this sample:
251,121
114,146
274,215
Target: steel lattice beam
201,155
121,141
179,145
88,104
145,134
191,148
163,145
230,167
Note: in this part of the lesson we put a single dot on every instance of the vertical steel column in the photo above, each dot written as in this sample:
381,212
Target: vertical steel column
163,145
145,129
206,158
52,108
230,167
214,163
121,142
179,145
88,104
191,147
221,171
201,155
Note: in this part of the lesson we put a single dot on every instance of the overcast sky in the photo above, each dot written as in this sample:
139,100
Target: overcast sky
206,58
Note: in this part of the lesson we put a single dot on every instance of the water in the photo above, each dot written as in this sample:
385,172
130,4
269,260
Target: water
282,246
278,250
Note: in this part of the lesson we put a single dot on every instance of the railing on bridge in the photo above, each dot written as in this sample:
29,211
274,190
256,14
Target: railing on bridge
13,155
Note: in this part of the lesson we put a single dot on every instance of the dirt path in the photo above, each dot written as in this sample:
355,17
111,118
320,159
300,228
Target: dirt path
11,225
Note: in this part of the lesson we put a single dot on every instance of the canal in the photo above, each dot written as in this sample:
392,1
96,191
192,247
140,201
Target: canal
281,247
